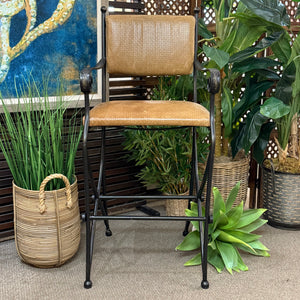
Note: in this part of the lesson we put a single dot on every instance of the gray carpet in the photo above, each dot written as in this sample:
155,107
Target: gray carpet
139,262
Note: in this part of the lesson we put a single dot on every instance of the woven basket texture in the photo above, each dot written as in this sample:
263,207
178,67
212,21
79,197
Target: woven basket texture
177,207
46,238
281,198
225,177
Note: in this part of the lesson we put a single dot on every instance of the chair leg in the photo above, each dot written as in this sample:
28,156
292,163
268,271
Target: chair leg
101,183
209,172
194,183
88,282
204,245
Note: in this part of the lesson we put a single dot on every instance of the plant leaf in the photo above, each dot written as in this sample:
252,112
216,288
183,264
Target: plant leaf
241,265
262,141
272,10
253,63
262,45
256,252
234,215
227,110
258,245
254,225
221,58
254,122
274,108
228,255
190,242
195,261
214,235
232,196
282,48
253,93
203,31
228,238
284,90
219,206
214,258
244,236
250,216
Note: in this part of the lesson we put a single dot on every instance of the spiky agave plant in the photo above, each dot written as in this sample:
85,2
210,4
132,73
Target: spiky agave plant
230,232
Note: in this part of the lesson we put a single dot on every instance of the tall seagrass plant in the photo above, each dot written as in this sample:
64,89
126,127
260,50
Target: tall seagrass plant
37,139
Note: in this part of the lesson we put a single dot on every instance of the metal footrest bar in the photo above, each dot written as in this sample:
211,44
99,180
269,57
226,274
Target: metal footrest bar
149,218
148,197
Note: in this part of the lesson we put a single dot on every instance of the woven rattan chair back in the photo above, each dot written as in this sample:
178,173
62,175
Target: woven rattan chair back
150,45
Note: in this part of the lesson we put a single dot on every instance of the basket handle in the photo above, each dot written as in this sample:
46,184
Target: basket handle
42,191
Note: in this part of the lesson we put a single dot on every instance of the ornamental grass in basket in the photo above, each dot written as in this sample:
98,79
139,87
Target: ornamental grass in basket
39,142
37,138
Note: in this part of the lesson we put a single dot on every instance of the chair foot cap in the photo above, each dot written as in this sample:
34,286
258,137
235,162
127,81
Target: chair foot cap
205,284
87,284
185,233
108,232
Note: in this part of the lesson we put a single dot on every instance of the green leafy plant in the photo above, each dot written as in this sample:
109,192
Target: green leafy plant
231,231
234,49
165,155
283,105
38,139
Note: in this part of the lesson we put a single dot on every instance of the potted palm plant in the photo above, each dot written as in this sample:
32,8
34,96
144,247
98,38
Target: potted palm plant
280,177
39,149
245,77
281,180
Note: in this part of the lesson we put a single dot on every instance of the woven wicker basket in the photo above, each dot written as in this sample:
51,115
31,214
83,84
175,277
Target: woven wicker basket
281,198
225,177
47,223
177,207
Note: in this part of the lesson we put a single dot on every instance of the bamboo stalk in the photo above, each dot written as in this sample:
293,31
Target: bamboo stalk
218,124
294,137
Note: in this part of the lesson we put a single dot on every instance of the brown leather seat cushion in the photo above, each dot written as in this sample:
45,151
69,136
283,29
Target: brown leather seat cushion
137,112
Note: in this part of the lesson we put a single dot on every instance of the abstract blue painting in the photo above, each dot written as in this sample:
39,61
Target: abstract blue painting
42,38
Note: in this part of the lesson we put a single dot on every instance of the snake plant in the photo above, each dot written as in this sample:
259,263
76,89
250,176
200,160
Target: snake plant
231,230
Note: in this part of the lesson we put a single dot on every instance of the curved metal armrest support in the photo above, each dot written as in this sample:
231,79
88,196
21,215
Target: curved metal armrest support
214,80
86,78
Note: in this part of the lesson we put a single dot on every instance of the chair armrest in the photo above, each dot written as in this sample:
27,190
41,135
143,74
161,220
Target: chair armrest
214,80
86,78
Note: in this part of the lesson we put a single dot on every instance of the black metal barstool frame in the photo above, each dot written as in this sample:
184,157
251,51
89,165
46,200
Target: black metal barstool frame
99,194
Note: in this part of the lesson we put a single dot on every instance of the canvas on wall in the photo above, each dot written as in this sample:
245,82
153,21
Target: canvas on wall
46,38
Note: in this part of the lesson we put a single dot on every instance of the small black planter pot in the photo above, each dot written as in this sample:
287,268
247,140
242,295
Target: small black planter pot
281,198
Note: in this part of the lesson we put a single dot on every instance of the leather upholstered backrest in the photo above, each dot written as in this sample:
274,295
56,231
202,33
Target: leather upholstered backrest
150,45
